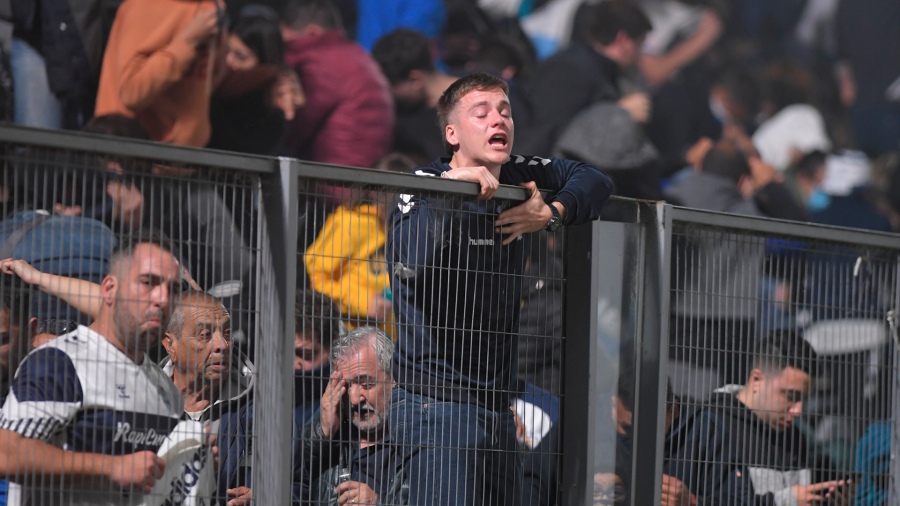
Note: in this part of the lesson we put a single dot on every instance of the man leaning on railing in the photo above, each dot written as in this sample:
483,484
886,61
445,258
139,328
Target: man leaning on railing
456,270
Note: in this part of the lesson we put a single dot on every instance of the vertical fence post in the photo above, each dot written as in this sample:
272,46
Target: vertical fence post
894,325
651,353
277,280
579,358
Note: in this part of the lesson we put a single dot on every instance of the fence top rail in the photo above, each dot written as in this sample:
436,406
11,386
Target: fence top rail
80,141
796,229
404,182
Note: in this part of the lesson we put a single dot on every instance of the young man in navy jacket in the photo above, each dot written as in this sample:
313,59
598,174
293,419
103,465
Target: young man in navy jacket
456,268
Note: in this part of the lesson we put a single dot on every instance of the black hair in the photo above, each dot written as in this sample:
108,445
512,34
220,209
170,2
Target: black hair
118,125
613,16
396,162
742,87
626,385
786,83
56,326
298,14
810,163
402,51
319,313
498,53
257,27
726,160
782,349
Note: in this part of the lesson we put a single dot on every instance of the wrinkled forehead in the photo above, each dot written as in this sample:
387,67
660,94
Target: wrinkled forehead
204,312
360,362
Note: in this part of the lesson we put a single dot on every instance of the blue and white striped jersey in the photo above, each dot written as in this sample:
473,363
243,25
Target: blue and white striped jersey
82,394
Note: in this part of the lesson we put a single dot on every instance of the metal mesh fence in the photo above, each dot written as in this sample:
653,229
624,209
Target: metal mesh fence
780,368
461,419
222,264
743,361
425,360
128,322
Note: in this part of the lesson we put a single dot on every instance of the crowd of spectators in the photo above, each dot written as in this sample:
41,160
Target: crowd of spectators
781,109
640,88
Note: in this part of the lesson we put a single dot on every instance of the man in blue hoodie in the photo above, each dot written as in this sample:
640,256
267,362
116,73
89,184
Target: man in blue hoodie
456,278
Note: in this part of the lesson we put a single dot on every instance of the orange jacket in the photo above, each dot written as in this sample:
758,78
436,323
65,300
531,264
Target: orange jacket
149,73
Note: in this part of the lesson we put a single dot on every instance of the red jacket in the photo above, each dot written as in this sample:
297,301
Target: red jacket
349,114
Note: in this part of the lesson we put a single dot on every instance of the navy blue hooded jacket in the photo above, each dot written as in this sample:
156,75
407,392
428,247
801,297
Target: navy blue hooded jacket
457,289
725,454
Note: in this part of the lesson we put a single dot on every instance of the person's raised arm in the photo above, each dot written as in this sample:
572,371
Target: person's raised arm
658,69
82,295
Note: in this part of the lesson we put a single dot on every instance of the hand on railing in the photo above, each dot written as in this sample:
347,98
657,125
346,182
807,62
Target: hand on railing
481,175
530,216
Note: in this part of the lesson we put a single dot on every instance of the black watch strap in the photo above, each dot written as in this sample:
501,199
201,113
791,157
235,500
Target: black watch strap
555,220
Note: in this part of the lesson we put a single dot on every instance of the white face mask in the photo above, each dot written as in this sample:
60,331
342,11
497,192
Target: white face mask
718,110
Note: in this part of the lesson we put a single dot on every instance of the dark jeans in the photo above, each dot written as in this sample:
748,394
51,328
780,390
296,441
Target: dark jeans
455,454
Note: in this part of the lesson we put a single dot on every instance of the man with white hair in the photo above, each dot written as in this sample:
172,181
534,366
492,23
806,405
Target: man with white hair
346,452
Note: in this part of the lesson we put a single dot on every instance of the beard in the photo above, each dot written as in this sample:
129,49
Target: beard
130,333
374,419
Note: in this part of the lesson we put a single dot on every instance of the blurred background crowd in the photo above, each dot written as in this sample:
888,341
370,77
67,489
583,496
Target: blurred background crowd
785,108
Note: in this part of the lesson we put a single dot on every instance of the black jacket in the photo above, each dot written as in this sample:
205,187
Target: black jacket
457,290
725,454
560,88
322,461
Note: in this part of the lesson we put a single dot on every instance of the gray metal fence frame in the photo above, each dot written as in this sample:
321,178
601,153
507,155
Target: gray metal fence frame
276,285
653,246
646,254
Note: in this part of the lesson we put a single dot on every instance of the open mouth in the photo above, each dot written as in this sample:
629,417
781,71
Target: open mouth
498,140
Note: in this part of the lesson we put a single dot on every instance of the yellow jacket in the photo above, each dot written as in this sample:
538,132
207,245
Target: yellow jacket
347,261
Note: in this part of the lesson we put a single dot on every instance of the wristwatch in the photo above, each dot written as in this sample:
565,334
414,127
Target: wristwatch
555,220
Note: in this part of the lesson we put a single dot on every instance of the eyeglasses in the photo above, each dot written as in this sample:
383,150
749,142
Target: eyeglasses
606,495
57,327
